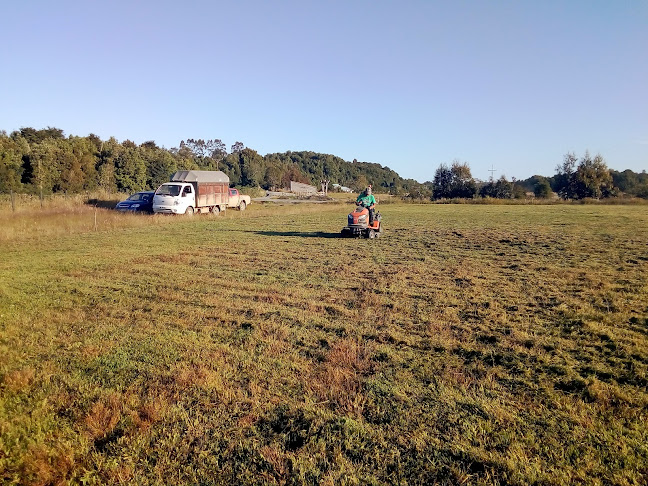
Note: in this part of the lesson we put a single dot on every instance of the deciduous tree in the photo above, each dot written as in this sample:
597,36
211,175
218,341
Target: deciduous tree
160,165
565,180
130,170
442,184
453,182
43,168
500,189
585,178
542,188
593,176
11,169
252,167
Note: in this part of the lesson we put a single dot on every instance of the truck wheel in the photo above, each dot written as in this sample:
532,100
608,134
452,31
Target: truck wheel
242,206
189,211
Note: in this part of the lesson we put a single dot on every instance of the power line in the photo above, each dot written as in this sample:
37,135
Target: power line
492,171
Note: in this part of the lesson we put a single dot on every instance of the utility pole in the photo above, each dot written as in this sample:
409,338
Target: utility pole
492,171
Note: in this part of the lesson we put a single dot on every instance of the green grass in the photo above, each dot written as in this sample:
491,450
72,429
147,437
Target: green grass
470,344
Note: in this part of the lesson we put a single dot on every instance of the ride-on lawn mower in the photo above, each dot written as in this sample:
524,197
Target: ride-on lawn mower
358,224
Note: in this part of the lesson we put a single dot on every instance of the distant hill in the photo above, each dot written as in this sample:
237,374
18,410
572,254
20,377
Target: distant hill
316,167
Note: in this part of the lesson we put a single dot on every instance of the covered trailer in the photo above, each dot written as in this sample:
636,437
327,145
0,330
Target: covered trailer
211,186
193,191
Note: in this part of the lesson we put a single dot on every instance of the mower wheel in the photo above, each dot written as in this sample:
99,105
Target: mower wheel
371,234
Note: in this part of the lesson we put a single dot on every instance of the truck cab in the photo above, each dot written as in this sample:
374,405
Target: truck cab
174,198
237,200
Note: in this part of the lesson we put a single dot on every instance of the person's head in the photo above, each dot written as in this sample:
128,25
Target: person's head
368,190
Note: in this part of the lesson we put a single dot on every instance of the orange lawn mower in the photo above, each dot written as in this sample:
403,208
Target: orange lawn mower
359,224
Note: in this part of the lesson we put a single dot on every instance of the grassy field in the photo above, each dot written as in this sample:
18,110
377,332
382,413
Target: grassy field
468,345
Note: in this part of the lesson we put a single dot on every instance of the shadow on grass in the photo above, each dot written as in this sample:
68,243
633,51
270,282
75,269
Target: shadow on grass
102,203
110,204
301,234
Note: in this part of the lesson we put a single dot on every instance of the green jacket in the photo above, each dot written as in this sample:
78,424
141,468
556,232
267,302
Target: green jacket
365,200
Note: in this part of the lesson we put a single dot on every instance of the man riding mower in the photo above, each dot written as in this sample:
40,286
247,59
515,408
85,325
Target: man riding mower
364,221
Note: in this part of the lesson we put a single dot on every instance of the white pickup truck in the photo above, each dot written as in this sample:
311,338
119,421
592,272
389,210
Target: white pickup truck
200,191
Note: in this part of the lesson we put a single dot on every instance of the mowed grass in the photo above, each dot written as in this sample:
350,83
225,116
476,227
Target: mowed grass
468,345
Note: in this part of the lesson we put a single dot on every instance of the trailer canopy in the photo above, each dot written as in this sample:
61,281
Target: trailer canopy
199,176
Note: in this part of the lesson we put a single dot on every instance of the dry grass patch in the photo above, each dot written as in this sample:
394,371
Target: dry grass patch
18,380
339,379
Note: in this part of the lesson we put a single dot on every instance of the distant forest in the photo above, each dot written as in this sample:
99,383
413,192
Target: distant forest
47,162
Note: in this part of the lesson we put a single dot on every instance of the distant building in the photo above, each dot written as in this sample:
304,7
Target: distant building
340,188
302,189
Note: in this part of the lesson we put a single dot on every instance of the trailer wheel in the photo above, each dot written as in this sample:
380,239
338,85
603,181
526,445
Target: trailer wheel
242,206
189,211
215,209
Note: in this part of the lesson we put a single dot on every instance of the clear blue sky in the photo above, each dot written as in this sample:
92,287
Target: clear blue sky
509,85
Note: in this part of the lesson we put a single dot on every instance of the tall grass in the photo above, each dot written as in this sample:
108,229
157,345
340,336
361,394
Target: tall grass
31,218
468,345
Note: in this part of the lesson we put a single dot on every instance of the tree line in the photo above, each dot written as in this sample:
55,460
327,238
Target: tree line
587,177
45,162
